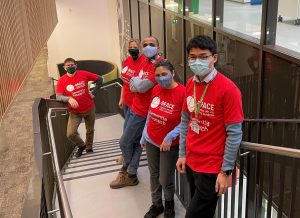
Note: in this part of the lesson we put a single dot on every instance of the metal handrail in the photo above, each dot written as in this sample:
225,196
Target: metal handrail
63,194
115,83
273,120
288,152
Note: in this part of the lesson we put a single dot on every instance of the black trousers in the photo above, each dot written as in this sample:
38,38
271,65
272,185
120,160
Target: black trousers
204,197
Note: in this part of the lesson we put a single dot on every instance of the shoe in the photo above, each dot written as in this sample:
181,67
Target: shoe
89,150
123,180
154,211
169,211
79,151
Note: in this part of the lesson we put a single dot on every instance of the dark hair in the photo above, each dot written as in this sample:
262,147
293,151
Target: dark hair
70,60
164,63
157,42
202,42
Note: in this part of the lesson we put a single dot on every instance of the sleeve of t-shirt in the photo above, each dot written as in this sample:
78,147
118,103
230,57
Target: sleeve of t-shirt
233,110
91,76
59,87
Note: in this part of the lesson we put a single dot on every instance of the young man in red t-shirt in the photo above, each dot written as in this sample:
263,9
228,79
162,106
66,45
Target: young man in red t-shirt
141,85
73,89
211,129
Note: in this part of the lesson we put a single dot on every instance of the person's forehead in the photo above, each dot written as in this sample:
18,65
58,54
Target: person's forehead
199,51
150,40
69,62
161,69
133,44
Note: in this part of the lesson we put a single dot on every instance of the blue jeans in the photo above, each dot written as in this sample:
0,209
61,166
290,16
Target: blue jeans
130,142
126,114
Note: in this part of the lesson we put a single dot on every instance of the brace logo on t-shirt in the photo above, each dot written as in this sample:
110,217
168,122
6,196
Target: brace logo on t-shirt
190,103
70,88
124,69
155,102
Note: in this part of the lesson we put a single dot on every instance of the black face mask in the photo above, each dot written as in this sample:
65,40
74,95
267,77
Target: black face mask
71,69
134,52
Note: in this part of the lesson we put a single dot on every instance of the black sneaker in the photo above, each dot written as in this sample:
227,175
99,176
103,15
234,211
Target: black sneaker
89,150
154,211
169,209
79,151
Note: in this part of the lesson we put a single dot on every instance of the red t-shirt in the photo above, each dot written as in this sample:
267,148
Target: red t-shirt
141,101
130,69
165,112
77,88
205,141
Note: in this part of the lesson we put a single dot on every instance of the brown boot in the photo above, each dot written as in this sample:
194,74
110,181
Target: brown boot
123,180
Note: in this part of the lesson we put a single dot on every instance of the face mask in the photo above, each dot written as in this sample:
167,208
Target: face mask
71,70
134,52
149,51
164,81
200,67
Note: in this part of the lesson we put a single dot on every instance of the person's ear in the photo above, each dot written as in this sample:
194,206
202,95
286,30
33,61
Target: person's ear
215,56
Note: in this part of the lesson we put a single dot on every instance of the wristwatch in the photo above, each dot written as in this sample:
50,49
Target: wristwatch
227,172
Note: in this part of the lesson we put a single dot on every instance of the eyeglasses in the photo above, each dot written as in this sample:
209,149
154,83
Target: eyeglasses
150,44
200,57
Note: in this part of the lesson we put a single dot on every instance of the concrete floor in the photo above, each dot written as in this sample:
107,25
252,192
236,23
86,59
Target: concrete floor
16,146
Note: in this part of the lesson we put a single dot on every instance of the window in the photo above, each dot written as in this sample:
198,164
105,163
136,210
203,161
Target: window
288,28
243,18
135,19
144,20
199,10
157,27
174,44
174,5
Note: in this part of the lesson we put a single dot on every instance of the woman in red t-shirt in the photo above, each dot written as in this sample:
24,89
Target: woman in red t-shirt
160,138
131,67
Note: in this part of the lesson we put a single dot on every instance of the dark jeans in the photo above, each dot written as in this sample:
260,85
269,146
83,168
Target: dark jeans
130,142
73,124
162,168
204,197
126,114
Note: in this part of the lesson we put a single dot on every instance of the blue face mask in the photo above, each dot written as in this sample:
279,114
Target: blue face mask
149,51
200,67
164,81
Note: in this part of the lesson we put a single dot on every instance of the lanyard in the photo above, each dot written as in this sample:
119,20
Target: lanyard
198,104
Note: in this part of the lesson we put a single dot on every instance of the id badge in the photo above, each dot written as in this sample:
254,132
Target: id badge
195,127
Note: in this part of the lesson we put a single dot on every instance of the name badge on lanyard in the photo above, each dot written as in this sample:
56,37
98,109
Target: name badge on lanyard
199,103
195,126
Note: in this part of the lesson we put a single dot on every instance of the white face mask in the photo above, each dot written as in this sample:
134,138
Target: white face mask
200,67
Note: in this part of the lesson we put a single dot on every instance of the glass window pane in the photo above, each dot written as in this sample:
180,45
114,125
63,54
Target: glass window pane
135,19
199,9
157,2
174,44
243,18
239,62
144,19
288,29
174,5
281,94
125,23
193,30
146,1
157,27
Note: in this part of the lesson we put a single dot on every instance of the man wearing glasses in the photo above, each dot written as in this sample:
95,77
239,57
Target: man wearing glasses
211,129
141,84
72,88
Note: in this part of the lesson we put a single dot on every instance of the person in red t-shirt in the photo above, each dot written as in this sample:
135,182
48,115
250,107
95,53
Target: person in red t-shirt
73,89
161,138
141,85
131,66
211,129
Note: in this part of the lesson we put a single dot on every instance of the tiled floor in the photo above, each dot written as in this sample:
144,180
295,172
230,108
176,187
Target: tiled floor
16,146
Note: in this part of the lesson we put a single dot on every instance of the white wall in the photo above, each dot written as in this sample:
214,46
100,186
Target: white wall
86,30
